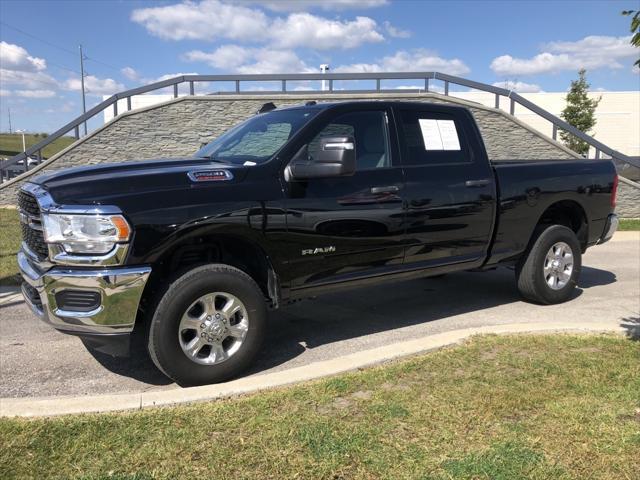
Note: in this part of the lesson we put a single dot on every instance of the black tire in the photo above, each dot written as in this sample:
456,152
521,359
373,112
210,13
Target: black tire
164,345
530,276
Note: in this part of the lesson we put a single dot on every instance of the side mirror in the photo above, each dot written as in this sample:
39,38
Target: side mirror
335,158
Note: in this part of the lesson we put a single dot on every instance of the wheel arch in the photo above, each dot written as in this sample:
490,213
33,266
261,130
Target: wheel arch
568,213
206,247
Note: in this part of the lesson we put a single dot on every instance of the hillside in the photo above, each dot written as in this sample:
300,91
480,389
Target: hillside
11,144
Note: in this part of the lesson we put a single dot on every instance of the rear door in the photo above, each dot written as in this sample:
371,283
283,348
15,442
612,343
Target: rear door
450,189
342,228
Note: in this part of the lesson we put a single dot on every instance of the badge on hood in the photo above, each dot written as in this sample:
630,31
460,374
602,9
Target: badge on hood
216,175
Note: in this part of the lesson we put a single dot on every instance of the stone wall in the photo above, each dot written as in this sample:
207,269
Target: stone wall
628,199
179,127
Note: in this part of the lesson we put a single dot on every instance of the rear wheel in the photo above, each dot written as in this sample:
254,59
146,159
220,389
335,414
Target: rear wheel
550,269
208,326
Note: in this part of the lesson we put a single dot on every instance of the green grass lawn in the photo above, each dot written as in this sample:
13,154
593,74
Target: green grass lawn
629,224
10,236
11,144
509,408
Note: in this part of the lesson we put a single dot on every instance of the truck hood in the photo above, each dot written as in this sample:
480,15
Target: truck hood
107,182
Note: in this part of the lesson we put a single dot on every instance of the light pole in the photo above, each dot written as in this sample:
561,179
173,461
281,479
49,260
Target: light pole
24,145
24,149
84,106
324,68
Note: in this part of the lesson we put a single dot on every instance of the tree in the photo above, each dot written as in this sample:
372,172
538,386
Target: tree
635,29
579,112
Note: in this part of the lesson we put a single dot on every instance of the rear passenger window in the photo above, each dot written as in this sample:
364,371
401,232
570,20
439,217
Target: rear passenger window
432,138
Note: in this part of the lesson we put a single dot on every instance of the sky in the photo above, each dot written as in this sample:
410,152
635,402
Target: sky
528,46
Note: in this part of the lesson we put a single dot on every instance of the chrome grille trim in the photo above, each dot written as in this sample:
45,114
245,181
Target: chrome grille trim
31,225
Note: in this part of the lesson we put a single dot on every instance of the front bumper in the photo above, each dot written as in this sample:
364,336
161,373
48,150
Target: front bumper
119,290
610,228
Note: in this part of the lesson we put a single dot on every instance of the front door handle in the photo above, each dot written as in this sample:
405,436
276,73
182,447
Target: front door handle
477,183
389,189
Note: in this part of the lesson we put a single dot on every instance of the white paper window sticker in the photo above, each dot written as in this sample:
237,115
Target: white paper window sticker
439,134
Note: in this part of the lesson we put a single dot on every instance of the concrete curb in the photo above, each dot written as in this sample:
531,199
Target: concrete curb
50,406
10,295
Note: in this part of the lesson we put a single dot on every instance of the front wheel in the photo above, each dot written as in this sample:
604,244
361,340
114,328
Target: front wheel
551,267
208,326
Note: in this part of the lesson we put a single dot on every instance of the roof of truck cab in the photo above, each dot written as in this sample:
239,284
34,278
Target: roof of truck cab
320,105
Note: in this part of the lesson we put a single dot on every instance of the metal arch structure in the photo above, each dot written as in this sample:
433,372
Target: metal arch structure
283,79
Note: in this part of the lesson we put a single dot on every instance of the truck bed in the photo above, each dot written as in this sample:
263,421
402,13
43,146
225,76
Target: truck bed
528,188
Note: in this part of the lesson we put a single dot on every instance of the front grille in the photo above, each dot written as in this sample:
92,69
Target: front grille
28,203
78,300
32,237
35,241
32,295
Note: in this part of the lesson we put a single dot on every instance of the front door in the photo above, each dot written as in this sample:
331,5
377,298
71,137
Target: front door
344,227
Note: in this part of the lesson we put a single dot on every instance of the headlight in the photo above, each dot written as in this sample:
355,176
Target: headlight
85,233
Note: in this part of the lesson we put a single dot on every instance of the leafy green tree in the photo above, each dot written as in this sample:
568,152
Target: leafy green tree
579,112
635,29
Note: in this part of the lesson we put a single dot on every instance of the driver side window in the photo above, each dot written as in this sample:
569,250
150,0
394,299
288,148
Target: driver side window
369,130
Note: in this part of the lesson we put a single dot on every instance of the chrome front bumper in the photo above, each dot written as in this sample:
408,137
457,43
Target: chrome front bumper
609,228
120,290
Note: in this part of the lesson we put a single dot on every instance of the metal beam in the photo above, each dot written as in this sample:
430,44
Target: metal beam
377,76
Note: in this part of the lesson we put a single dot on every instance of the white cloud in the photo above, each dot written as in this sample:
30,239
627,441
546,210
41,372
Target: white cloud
130,73
65,107
395,32
302,5
274,61
521,87
206,20
4,92
251,60
591,52
212,19
35,93
307,30
94,85
14,57
408,61
25,72
228,57
27,80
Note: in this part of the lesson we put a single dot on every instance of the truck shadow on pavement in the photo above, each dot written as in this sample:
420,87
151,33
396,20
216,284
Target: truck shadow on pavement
387,308
360,313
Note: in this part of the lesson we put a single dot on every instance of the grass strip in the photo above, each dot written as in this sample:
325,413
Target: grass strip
497,407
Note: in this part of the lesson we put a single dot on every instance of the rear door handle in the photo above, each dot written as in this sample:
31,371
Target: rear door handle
389,189
477,183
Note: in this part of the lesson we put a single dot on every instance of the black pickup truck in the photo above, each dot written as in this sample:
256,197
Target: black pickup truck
292,203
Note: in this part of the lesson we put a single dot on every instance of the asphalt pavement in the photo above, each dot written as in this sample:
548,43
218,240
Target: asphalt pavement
37,361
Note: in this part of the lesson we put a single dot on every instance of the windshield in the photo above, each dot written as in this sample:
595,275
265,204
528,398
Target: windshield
257,139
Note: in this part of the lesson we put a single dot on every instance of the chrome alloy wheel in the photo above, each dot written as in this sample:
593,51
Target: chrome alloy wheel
213,328
558,266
